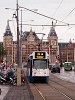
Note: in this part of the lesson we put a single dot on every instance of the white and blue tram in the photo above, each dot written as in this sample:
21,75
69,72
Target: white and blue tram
38,66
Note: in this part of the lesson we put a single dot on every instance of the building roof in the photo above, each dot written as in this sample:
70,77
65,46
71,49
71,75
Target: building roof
8,31
26,33
62,45
65,44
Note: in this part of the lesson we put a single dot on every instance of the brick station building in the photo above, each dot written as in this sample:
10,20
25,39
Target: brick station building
30,42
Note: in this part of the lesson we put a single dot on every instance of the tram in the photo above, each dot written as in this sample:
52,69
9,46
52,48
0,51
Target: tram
68,66
38,66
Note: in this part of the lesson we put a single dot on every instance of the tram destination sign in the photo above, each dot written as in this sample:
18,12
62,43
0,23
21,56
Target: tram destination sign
39,55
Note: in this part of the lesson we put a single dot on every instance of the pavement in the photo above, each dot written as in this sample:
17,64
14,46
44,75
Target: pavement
4,91
16,93
22,92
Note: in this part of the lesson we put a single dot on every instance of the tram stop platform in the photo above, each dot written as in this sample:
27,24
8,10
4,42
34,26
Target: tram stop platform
19,93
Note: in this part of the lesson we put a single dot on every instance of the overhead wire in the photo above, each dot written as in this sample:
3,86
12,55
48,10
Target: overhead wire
62,21
44,15
46,25
68,14
66,24
57,8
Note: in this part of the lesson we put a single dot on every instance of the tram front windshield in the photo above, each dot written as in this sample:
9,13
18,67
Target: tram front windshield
40,63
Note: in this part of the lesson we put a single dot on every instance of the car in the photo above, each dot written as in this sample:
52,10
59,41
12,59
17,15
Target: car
55,68
50,66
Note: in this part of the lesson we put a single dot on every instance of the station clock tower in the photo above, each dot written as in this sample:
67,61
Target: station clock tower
53,44
8,43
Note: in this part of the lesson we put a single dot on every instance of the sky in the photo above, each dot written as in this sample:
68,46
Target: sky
61,12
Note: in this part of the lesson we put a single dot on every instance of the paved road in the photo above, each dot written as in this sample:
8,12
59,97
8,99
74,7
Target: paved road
4,90
66,75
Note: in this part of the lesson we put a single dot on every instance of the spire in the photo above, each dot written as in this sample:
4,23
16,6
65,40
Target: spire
7,31
52,31
30,29
7,27
52,23
70,41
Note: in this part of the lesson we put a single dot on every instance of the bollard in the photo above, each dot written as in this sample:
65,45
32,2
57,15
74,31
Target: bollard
0,91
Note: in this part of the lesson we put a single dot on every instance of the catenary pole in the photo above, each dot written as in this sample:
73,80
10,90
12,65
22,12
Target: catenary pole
18,50
21,41
17,36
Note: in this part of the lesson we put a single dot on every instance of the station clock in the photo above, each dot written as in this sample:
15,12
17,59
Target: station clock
53,42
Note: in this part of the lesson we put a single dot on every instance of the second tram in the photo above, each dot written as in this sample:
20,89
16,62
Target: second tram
38,66
68,66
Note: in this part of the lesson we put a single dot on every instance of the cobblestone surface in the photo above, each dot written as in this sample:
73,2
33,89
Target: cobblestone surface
19,93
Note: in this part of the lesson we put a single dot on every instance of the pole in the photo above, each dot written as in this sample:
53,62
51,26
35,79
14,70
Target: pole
21,40
18,51
17,35
49,54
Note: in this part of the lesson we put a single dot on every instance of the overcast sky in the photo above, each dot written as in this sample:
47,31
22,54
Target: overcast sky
56,9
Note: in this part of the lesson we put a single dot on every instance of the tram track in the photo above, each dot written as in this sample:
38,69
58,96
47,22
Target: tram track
64,94
43,96
60,91
30,91
40,93
63,90
62,85
67,91
55,89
